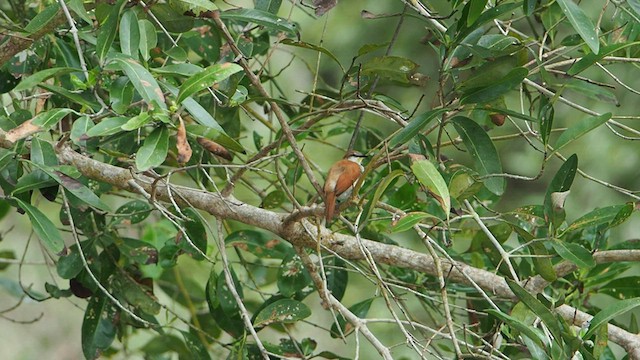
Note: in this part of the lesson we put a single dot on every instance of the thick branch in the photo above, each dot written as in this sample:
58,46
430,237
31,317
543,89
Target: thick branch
19,42
344,245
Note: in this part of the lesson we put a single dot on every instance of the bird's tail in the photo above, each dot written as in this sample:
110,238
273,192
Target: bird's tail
330,206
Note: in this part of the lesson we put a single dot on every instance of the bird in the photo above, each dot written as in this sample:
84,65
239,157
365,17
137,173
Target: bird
340,181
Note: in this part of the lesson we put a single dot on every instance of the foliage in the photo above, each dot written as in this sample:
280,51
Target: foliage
151,143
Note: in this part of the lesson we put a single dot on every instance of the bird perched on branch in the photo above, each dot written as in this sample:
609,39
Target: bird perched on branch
341,179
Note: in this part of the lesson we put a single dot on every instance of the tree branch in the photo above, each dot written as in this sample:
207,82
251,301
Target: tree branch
342,244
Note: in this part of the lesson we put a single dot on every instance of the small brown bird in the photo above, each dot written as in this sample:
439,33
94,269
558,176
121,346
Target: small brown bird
341,179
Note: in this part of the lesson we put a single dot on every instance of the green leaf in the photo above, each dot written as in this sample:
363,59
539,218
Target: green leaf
581,24
546,115
592,91
377,195
129,33
482,151
172,20
622,288
560,183
259,244
208,77
597,217
635,5
579,129
360,310
142,80
293,277
79,130
274,199
284,311
70,265
49,118
42,18
42,153
196,5
32,181
154,150
485,17
137,121
622,215
178,69
574,253
542,262
107,31
538,308
414,127
78,98
394,68
225,298
108,126
133,212
78,7
426,172
260,17
496,89
271,6
78,189
43,227
304,45
593,57
476,7
199,113
409,220
197,233
527,330
38,78
148,38
98,331
610,312
136,295
197,349
215,135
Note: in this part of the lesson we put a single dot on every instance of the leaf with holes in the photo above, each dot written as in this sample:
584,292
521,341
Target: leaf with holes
284,311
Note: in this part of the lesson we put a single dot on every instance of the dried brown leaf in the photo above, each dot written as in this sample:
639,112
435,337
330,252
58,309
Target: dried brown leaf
184,149
215,148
